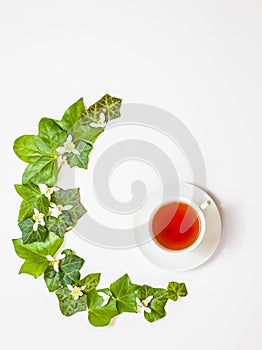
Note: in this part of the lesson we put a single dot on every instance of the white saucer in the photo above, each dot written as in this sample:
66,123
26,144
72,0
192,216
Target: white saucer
185,261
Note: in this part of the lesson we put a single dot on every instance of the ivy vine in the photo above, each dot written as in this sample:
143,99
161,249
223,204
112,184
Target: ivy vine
48,212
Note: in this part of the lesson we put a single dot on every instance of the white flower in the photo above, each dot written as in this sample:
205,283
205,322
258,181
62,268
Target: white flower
39,219
47,191
68,147
106,298
61,160
143,305
57,209
76,292
55,261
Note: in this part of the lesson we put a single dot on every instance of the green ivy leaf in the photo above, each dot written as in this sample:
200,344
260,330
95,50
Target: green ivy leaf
53,279
70,267
40,152
99,315
80,160
68,272
68,305
29,235
35,254
82,131
29,148
107,105
157,304
68,218
90,282
124,293
72,115
175,290
50,133
32,198
45,170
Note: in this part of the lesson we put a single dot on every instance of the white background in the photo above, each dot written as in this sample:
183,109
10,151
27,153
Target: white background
200,60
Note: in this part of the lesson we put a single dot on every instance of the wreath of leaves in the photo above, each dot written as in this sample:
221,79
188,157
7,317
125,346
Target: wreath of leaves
48,212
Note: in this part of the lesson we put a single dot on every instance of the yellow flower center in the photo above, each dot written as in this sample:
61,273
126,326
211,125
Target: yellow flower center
38,217
49,191
76,292
55,261
69,146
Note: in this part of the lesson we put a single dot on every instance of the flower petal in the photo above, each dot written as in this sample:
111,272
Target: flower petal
61,150
54,212
70,287
42,222
67,207
96,125
147,309
36,211
49,258
61,160
69,138
139,303
148,299
35,227
56,266
75,151
42,188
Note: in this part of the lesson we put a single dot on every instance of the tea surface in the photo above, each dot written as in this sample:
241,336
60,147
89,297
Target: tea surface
175,225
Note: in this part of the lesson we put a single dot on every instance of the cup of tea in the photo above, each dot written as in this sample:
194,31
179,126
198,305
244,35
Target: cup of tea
178,225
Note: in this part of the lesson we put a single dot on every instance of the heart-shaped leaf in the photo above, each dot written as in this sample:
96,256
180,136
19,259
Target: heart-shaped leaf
80,160
68,305
156,305
35,254
32,198
124,293
69,217
175,290
90,282
99,315
75,112
68,273
45,170
108,106
40,152
53,279
28,233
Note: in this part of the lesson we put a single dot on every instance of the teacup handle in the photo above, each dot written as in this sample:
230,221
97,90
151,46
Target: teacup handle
204,205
